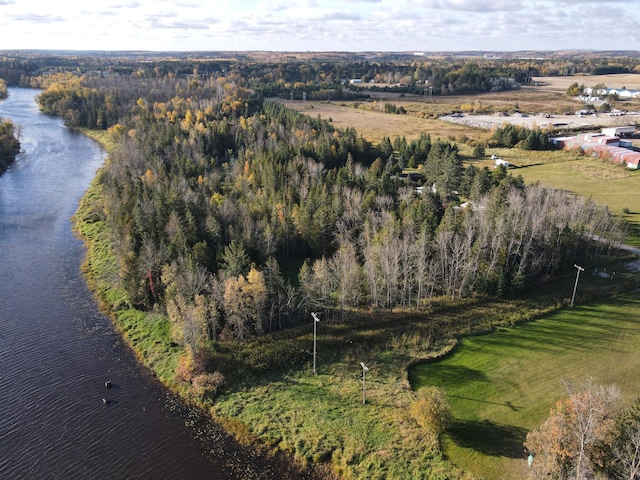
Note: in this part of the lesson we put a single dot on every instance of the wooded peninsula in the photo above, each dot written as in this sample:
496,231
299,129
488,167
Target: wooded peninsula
225,223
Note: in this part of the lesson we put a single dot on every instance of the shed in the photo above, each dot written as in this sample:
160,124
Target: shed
619,131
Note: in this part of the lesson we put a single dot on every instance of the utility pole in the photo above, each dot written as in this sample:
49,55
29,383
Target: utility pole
575,287
364,388
316,319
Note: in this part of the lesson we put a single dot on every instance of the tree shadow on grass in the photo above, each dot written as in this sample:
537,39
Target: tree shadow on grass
489,438
442,373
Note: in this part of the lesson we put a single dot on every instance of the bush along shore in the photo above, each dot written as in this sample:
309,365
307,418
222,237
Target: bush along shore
339,421
9,144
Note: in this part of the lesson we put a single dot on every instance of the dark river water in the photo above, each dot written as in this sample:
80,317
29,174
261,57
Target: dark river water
57,349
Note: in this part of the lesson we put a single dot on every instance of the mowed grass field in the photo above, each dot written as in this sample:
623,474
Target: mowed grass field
503,384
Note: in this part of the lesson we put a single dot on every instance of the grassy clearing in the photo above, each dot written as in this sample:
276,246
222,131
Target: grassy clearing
375,125
101,136
607,183
322,417
503,384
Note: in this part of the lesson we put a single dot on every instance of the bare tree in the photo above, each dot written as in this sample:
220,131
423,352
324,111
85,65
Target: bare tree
565,446
625,446
346,271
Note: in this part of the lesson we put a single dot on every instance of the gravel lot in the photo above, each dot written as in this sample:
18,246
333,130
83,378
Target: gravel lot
543,120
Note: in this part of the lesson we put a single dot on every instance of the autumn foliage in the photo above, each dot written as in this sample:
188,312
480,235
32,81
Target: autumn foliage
569,445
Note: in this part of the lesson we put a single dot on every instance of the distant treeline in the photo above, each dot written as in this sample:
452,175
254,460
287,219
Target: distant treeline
319,77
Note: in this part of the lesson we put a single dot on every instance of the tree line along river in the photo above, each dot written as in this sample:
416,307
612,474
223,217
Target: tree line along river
57,350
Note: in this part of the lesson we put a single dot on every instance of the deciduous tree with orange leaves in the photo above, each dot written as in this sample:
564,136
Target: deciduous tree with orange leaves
568,444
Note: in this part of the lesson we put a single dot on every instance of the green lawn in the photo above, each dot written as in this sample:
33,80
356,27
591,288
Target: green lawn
503,384
605,182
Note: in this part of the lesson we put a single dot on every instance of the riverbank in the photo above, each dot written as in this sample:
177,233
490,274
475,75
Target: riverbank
148,334
9,144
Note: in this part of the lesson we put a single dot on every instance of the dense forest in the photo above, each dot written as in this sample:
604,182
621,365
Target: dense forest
237,216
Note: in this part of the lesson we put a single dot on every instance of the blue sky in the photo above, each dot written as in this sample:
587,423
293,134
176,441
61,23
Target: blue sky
319,25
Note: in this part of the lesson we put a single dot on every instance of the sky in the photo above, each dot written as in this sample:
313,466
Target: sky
320,25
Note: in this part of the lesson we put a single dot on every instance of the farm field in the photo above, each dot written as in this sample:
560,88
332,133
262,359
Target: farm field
503,384
618,80
490,108
374,125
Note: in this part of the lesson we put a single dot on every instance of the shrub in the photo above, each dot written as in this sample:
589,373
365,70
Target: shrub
207,385
479,150
431,410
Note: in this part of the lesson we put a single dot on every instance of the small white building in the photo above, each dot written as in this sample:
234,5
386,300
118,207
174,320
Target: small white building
619,131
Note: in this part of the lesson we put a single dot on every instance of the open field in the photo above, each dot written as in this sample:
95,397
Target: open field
488,110
503,384
561,84
373,125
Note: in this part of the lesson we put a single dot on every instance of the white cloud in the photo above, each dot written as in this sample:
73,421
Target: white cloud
471,5
320,25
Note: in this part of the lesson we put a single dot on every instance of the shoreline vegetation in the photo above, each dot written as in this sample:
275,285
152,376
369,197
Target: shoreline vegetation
9,144
278,405
9,138
149,334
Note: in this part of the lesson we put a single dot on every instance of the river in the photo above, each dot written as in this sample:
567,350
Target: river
57,350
